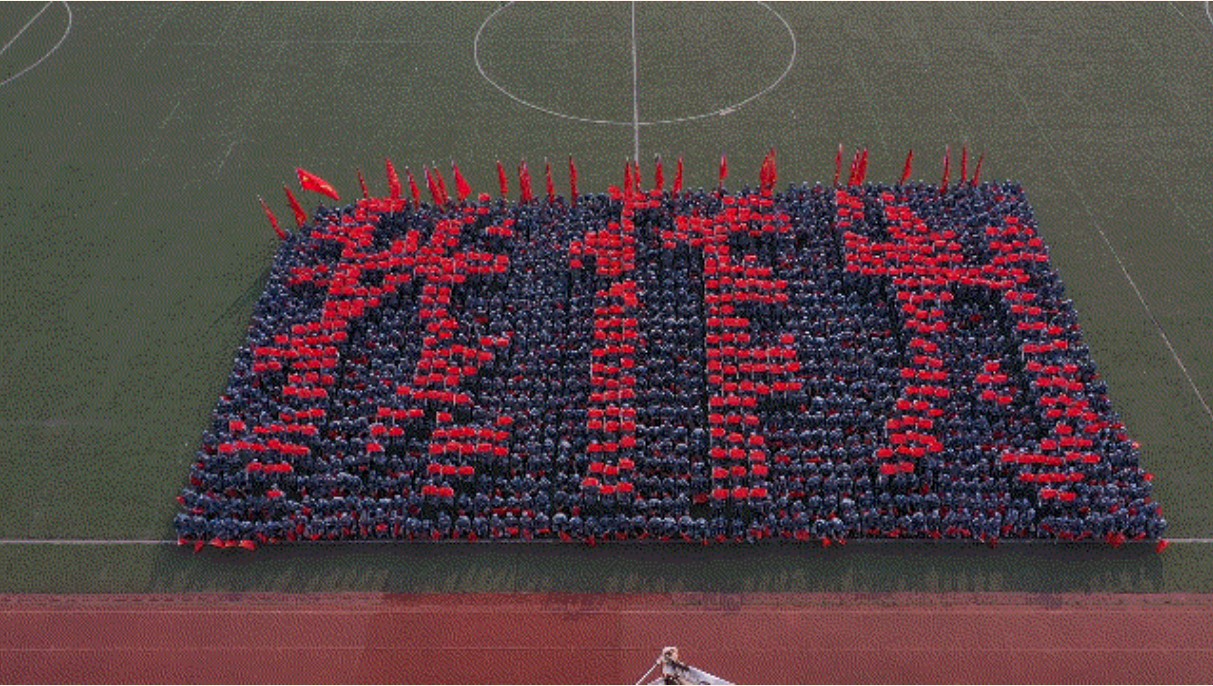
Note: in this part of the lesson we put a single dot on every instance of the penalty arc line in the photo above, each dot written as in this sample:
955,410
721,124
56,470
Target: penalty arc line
55,47
23,28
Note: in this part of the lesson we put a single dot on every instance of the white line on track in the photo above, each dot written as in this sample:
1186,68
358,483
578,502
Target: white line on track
55,47
414,648
635,91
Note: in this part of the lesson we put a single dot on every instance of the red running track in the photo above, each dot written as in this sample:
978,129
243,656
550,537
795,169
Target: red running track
561,638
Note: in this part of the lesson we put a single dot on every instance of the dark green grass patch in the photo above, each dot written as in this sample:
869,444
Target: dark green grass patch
446,568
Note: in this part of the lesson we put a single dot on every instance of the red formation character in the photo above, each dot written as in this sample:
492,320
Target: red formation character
697,368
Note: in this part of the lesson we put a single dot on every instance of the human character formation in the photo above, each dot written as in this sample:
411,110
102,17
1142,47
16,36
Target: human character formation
818,363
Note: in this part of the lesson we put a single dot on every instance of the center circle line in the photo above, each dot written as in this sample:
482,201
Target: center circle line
723,111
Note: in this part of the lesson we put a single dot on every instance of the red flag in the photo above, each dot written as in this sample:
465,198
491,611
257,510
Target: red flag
629,182
863,167
443,196
413,189
393,180
551,187
964,163
524,180
430,184
678,178
503,182
771,170
273,220
366,194
300,215
639,188
659,176
838,165
853,178
764,171
572,179
947,169
909,168
724,169
977,172
461,184
315,184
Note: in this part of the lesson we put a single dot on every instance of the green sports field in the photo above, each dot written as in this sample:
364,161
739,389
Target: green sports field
132,247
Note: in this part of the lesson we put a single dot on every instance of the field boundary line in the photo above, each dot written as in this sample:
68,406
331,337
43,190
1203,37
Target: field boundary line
86,541
54,48
1149,312
1031,117
910,542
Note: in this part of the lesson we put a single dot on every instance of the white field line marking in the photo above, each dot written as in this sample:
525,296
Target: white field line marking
1208,13
730,109
635,91
1149,313
55,47
152,35
83,541
392,541
23,28
238,136
166,120
1030,115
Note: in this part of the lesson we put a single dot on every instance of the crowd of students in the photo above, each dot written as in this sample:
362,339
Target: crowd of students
813,364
